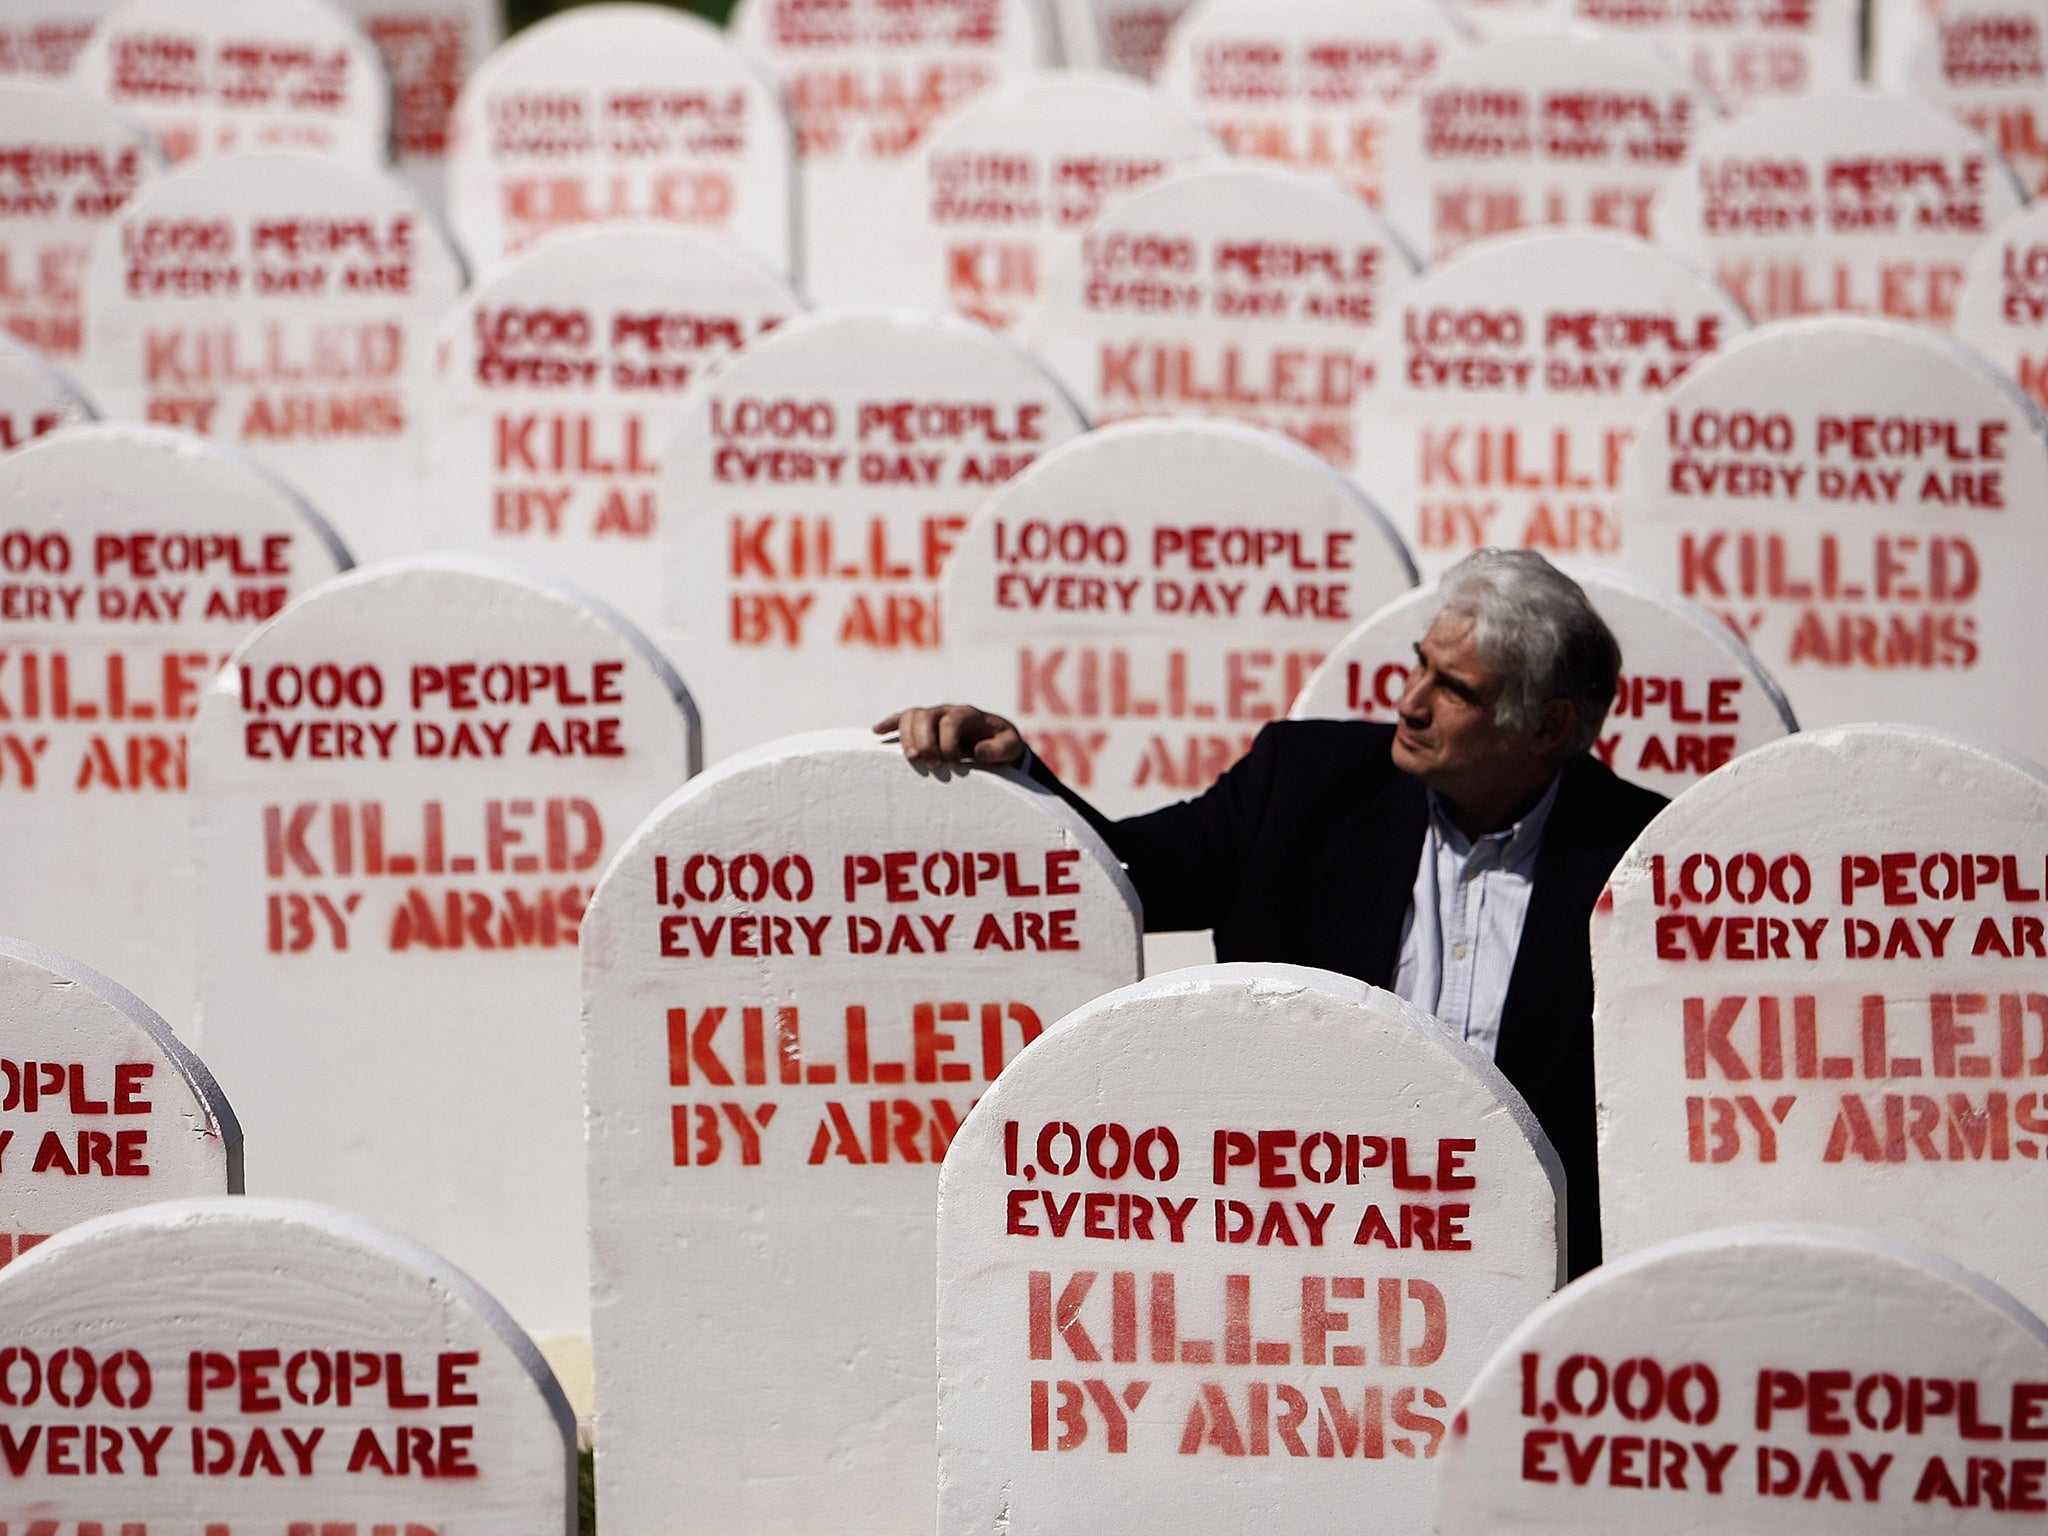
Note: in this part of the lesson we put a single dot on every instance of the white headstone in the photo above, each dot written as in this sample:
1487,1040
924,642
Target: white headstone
1001,193
797,977
1147,597
1128,36
1984,61
67,165
1875,1049
1313,83
811,494
404,791
270,1365
1214,1239
2002,306
1844,203
1863,501
1236,288
42,37
100,1107
1512,378
36,397
620,112
214,77
556,381
132,562
1747,51
864,81
1568,128
1765,1378
429,47
284,304
1691,699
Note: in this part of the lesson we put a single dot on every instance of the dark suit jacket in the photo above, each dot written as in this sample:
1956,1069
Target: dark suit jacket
1306,852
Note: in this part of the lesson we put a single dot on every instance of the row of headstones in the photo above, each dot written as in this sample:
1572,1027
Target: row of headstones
1817,202
635,110
1238,1120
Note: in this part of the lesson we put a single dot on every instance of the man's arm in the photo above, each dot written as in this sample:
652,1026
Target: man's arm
1186,860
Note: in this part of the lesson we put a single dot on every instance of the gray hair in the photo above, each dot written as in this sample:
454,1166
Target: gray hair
1531,623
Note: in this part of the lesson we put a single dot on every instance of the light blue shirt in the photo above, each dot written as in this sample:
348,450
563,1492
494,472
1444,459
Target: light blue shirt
1465,921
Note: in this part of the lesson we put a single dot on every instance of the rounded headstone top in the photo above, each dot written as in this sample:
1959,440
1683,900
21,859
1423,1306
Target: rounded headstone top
1274,1330
1146,596
2002,306
1861,499
1816,997
1000,191
1513,376
1984,61
1232,287
96,1084
1692,697
814,487
613,111
36,397
68,161
206,1315
1312,83
1554,129
1847,201
210,77
1719,1382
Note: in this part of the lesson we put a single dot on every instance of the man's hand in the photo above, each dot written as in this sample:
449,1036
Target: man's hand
947,735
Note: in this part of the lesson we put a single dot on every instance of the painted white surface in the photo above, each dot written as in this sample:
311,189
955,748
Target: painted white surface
1219,1375
810,495
1863,501
284,304
619,111
1312,83
390,890
797,977
429,47
1568,128
1848,202
2002,306
1236,288
1128,36
1003,191
1817,999
556,380
232,1307
1148,596
1512,378
1692,698
100,1107
1984,61
144,558
218,77
1815,1340
864,82
67,164
42,37
36,397
1743,52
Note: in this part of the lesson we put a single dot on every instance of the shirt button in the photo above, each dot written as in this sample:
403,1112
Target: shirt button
1459,951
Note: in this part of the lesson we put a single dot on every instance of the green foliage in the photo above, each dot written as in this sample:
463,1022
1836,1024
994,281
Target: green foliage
520,13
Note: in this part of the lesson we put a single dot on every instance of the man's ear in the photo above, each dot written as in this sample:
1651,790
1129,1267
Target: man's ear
1554,724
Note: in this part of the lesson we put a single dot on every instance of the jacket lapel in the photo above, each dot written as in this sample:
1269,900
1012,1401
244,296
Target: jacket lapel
1381,845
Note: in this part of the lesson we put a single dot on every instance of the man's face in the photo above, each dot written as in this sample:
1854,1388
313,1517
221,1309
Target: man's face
1447,737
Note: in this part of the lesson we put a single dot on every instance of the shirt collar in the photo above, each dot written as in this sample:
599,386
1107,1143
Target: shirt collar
1517,845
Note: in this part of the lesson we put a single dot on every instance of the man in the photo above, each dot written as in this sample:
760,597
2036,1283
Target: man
1453,858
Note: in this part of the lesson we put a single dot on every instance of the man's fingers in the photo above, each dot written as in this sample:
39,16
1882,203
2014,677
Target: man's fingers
919,739
884,727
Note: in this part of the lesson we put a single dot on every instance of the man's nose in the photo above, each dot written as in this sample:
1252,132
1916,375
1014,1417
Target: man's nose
1414,699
